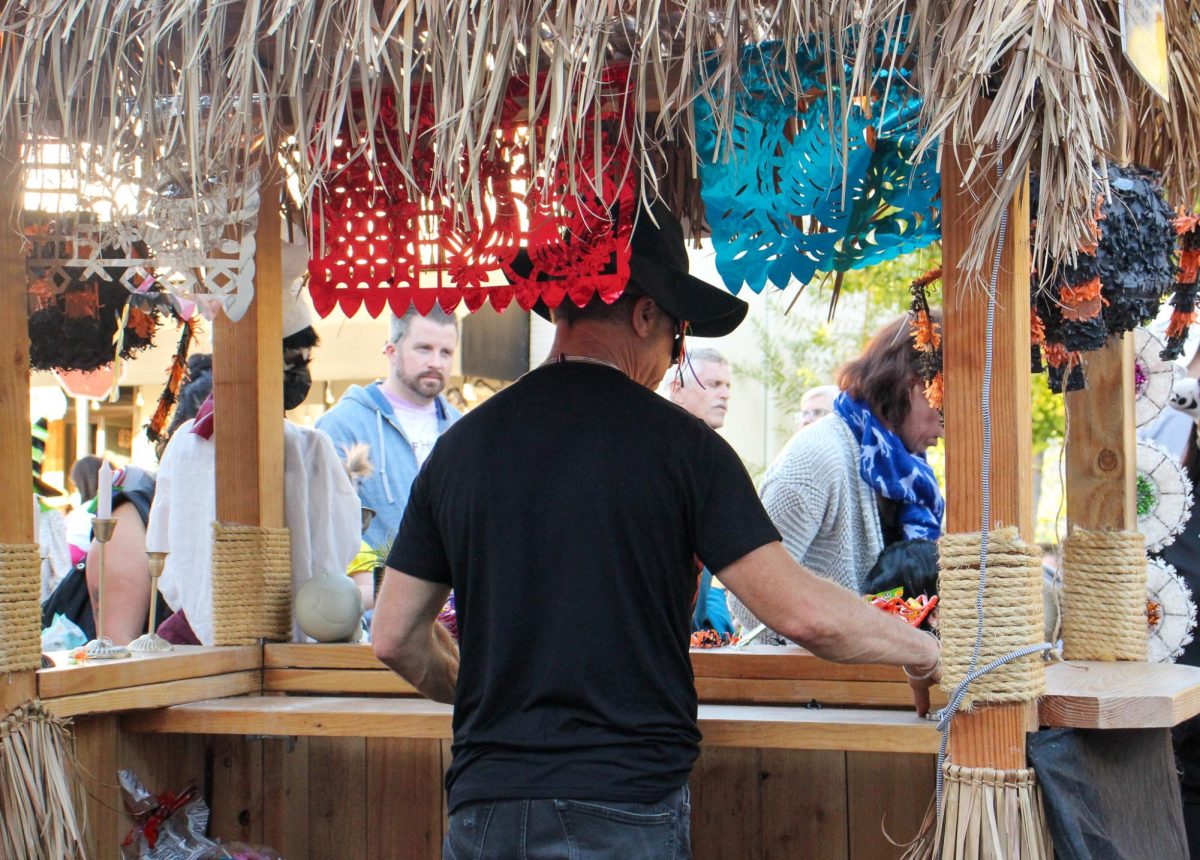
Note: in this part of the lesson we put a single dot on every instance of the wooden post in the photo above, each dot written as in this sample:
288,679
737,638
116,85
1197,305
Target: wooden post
1101,484
1101,434
16,488
248,388
990,736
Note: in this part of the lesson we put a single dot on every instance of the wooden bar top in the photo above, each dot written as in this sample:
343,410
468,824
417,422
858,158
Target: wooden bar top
723,725
1090,695
1078,694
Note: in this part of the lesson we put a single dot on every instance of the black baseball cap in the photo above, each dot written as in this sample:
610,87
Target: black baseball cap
658,268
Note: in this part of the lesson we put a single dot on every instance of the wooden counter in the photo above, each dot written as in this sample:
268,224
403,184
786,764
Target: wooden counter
331,755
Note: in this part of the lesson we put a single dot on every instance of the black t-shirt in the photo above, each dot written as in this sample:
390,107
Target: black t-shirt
567,512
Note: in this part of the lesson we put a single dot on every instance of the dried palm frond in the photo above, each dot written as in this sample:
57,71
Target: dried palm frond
1030,83
188,91
140,91
41,805
192,93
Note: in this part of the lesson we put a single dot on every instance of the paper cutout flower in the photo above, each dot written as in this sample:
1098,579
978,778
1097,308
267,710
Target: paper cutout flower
781,202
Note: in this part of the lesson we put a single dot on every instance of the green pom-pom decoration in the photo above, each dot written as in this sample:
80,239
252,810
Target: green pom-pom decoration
1147,495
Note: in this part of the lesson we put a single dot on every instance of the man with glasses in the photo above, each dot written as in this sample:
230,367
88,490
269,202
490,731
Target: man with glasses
815,404
702,387
568,512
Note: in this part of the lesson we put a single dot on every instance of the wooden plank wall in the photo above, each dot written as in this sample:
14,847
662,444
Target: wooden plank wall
316,798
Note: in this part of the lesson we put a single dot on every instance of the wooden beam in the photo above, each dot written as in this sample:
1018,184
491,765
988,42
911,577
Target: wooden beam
723,725
340,681
248,388
185,661
895,693
991,736
156,695
1102,443
16,489
771,662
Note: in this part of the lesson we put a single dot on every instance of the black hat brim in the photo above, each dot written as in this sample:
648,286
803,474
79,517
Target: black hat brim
709,311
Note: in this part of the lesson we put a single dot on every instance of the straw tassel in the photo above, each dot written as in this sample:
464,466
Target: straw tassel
41,803
987,814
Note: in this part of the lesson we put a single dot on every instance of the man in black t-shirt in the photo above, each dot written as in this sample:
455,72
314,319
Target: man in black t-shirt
567,513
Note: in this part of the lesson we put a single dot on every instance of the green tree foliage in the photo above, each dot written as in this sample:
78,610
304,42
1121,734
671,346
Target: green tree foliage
1048,415
803,344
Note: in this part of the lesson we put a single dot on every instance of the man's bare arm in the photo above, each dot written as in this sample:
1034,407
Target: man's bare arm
407,638
829,620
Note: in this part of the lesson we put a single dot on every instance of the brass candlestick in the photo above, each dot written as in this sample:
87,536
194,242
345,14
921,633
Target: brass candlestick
150,641
102,648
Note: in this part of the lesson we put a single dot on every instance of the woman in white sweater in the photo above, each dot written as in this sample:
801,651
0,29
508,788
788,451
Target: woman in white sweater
856,481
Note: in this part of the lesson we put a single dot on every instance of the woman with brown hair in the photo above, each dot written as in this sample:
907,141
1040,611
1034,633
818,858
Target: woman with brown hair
856,481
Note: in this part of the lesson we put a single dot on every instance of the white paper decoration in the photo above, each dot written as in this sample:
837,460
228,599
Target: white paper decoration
1171,612
1152,376
1164,495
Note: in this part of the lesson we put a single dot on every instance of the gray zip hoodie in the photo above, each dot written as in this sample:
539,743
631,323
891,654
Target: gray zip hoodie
364,414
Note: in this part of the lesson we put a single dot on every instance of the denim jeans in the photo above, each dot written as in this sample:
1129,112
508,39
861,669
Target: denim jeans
563,829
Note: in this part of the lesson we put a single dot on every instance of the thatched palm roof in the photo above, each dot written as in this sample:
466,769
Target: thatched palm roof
207,85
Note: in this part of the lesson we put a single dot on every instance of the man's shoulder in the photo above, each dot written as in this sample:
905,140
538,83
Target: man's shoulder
347,414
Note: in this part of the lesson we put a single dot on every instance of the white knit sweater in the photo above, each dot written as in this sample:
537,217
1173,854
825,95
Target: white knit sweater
826,513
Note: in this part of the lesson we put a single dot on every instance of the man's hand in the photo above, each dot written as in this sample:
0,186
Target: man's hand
830,621
921,677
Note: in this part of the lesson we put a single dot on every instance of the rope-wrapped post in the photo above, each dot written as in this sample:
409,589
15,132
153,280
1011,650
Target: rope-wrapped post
252,584
1012,617
1104,596
20,615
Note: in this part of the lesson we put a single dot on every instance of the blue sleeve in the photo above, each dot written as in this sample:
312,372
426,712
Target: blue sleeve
711,611
718,611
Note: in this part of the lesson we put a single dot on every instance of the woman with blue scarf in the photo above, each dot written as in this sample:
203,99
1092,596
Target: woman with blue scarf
857,481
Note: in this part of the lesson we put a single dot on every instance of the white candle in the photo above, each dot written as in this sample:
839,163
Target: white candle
104,493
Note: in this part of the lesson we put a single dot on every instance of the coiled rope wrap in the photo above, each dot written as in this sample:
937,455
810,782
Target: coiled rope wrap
1104,596
252,584
20,614
1012,618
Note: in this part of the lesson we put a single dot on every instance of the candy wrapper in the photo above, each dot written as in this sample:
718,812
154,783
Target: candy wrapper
172,827
169,826
914,610
712,639
448,617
